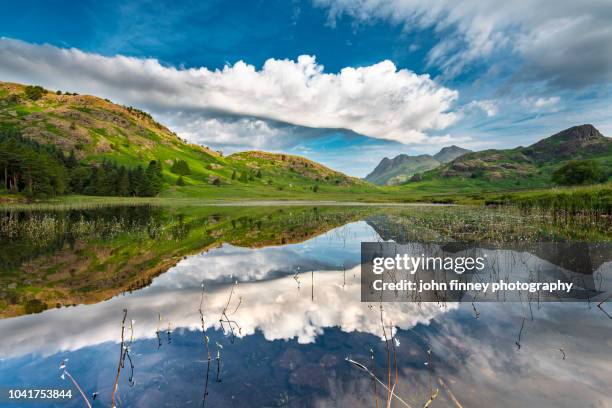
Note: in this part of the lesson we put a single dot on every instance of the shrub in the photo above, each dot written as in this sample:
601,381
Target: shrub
34,306
180,181
579,172
34,92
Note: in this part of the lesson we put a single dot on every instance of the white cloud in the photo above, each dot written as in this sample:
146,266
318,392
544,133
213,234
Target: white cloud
487,106
541,103
567,43
378,100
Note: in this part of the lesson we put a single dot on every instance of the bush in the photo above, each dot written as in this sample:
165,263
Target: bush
34,306
579,172
180,181
34,92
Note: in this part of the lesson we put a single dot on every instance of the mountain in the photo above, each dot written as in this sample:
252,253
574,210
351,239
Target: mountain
97,131
450,153
530,166
399,169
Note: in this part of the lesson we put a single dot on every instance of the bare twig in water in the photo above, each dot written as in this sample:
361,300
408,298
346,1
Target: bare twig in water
476,312
562,352
121,357
312,286
431,398
382,384
599,305
450,393
65,373
518,342
224,319
206,343
126,354
433,394
374,373
158,331
219,348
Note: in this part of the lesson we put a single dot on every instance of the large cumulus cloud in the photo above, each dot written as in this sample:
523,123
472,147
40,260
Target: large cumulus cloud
378,100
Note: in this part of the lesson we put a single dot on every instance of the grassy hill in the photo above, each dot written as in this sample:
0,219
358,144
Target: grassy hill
97,130
518,168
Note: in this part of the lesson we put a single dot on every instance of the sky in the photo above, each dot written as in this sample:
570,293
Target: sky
343,82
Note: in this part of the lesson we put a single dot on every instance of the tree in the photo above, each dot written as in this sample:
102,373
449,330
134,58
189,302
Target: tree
243,177
234,175
258,175
71,161
180,167
315,188
139,183
153,175
180,181
123,182
216,181
579,172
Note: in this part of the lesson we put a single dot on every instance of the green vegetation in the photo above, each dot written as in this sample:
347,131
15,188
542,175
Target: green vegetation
523,168
34,92
36,170
580,172
82,145
99,132
180,167
589,200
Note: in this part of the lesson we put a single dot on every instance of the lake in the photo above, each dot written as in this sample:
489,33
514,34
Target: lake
260,306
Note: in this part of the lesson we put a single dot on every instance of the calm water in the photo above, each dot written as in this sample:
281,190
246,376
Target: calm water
288,281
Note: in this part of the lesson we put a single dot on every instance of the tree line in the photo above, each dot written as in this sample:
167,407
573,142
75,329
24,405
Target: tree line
36,169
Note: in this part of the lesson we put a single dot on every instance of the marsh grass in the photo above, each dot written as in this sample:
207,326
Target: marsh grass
590,201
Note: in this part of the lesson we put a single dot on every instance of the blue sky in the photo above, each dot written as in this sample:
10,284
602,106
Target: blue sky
381,77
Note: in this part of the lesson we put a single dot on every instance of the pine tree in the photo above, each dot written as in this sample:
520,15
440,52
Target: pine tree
234,175
153,174
123,182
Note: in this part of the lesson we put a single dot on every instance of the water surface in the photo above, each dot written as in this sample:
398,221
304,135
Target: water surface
279,291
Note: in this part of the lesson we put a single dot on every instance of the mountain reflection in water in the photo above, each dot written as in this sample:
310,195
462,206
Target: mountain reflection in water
298,310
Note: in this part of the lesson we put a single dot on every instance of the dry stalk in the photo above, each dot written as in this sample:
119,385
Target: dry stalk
121,358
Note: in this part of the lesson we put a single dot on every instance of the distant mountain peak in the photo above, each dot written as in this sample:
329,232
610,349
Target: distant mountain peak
579,133
568,142
450,153
400,168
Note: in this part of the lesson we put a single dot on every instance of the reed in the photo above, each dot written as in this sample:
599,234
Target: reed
121,360
65,373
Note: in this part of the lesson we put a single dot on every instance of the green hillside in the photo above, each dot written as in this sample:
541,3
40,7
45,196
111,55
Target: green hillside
521,167
111,138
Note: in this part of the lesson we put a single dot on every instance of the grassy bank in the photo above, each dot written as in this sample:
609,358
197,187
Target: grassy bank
596,198
585,199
